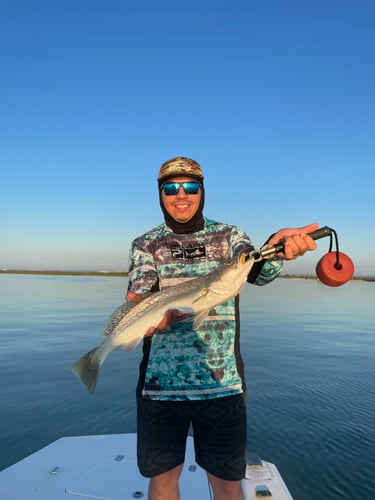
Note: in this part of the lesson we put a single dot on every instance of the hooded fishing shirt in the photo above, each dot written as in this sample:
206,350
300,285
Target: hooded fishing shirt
180,363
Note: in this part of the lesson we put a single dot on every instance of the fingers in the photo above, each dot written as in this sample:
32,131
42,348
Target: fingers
296,240
297,245
170,316
309,228
134,297
150,332
167,319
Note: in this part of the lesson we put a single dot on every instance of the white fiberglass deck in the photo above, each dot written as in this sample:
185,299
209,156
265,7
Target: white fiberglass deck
104,467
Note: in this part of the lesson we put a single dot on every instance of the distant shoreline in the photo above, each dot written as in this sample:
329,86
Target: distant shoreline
64,273
125,274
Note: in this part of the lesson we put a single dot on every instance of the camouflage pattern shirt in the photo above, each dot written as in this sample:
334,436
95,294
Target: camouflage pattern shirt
181,363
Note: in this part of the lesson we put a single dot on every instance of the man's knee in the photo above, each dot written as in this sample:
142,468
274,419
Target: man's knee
224,489
165,486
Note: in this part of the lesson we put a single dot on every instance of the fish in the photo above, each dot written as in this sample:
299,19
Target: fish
193,298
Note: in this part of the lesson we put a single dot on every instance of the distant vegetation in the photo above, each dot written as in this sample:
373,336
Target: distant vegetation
124,273
64,273
313,277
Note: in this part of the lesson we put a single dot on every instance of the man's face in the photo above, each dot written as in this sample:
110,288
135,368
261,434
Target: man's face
181,206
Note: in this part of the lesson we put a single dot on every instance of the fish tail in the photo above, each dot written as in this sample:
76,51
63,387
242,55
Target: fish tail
87,369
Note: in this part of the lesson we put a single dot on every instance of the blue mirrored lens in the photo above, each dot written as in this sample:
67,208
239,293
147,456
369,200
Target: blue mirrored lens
172,188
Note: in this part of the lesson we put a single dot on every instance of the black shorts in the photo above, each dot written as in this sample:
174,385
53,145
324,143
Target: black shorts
219,429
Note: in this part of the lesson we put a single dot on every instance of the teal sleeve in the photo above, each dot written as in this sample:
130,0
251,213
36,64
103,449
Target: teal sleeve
270,271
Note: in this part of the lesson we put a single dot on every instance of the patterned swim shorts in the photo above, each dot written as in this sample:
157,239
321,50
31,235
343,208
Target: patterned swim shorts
219,429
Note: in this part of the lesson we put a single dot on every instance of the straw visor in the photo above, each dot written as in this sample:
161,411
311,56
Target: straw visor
180,166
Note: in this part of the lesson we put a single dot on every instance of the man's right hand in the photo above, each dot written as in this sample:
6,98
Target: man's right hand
170,316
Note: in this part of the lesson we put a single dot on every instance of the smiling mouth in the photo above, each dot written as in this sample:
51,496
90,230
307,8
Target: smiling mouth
181,206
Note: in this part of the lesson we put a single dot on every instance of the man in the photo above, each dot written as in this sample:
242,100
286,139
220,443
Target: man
194,377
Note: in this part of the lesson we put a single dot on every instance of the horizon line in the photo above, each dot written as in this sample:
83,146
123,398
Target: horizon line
58,272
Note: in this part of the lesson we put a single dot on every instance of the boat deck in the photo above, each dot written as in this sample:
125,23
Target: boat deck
104,467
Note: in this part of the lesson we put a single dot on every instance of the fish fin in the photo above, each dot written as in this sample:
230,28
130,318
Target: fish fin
87,369
199,318
130,346
202,295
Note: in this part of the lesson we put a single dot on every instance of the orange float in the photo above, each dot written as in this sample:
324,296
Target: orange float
335,269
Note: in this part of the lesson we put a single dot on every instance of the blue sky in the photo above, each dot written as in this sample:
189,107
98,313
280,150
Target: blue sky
275,99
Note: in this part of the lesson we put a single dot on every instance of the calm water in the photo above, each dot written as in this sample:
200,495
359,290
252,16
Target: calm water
310,362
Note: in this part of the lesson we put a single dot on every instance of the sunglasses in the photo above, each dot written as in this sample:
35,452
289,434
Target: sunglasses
172,188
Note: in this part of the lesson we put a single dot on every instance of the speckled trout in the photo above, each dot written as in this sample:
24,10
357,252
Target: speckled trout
194,298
